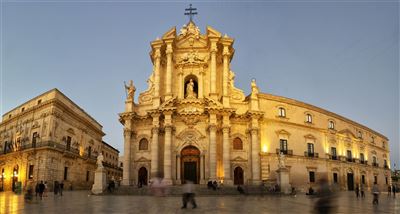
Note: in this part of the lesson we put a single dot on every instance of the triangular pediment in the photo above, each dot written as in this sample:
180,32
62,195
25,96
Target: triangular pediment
239,159
211,32
348,133
170,34
191,41
142,159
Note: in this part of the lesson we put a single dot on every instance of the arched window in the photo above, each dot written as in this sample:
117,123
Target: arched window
308,118
281,112
143,144
331,125
237,144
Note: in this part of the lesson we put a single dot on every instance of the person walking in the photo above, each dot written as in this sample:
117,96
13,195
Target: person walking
41,189
61,188
362,191
375,192
394,191
45,189
357,191
56,188
188,195
389,190
37,189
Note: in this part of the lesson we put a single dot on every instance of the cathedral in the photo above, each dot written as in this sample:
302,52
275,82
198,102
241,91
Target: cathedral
192,123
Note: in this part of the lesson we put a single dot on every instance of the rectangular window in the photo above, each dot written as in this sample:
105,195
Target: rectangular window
68,143
311,176
375,179
87,175
283,145
363,179
335,178
349,156
89,151
34,137
385,164
386,179
310,148
65,173
5,147
30,172
333,153
362,157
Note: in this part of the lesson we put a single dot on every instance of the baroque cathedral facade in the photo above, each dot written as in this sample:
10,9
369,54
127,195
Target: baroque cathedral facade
192,123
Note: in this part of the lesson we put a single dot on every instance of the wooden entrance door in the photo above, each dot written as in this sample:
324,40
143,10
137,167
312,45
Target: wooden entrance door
142,176
190,164
350,181
238,178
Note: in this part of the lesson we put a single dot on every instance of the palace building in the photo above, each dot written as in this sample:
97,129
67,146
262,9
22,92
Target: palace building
192,123
49,138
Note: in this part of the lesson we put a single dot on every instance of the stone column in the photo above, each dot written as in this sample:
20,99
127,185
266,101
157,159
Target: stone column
167,154
226,155
213,70
126,173
255,156
178,168
154,151
201,168
213,152
181,84
225,80
168,87
156,99
200,83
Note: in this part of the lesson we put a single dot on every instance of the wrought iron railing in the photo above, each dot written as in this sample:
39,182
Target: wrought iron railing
311,154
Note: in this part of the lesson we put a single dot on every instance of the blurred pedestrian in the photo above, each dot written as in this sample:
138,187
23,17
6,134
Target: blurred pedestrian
394,191
188,195
357,191
324,203
45,189
389,190
240,189
56,188
61,188
41,189
37,189
29,194
362,189
375,192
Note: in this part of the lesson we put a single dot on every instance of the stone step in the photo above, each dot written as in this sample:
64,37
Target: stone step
199,190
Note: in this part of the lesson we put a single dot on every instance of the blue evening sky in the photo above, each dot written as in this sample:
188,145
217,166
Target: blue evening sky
341,56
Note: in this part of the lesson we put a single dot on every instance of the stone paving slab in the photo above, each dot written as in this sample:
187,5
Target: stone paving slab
76,202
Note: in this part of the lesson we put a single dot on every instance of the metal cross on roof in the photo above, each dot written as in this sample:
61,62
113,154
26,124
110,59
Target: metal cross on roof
192,11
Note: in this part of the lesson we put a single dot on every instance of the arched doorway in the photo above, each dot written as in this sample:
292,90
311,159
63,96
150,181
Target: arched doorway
190,164
238,178
142,176
14,178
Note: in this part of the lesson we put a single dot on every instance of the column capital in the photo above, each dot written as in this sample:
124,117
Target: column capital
226,129
225,51
212,127
155,130
168,127
253,131
128,133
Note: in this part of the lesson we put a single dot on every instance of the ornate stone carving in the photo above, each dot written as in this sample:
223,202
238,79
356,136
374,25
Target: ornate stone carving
190,29
130,90
192,57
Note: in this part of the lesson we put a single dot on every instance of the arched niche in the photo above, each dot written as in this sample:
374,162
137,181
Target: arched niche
190,82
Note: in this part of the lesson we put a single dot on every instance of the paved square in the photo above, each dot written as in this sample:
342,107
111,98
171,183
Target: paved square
81,202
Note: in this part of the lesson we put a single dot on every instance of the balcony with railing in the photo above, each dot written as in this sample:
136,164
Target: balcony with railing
364,162
285,152
375,164
311,155
67,151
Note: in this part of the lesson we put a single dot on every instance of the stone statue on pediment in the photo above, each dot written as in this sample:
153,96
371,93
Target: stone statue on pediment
281,160
100,159
130,89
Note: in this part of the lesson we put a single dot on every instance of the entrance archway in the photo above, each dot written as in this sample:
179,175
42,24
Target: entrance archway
350,181
238,178
142,176
190,164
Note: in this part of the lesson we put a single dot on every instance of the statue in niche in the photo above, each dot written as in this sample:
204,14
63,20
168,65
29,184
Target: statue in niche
190,93
130,89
